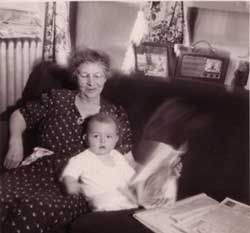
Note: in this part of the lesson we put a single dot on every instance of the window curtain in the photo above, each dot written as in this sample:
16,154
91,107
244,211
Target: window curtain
159,22
139,30
57,44
165,21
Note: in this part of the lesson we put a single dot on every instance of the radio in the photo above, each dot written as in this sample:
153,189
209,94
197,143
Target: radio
208,64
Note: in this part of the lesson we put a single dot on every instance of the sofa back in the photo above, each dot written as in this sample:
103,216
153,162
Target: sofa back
217,161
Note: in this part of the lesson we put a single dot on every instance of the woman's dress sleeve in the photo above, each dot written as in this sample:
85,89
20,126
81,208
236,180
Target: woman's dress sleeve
35,111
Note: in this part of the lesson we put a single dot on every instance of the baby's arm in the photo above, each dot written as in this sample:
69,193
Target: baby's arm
71,174
72,185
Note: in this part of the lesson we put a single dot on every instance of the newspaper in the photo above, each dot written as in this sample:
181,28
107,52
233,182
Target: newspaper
229,216
156,181
157,219
198,214
164,219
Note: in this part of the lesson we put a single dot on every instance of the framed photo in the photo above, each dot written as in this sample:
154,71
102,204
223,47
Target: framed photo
154,59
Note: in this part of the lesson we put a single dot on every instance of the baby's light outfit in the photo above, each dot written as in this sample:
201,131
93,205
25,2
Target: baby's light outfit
100,182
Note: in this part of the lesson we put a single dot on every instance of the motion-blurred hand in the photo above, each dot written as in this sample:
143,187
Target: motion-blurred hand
177,167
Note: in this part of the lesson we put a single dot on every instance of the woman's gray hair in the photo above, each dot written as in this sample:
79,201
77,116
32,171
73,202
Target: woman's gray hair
88,55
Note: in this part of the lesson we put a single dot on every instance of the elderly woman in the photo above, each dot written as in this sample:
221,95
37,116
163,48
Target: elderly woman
31,199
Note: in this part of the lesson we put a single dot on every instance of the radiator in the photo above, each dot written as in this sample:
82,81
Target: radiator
17,57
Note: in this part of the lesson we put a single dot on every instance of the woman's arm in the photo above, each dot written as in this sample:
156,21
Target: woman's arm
15,152
72,185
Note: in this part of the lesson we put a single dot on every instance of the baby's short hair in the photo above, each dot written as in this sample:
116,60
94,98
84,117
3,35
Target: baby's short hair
103,118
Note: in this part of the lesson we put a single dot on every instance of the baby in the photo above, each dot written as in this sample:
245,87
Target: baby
100,172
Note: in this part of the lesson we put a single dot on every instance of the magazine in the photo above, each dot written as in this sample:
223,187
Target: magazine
156,181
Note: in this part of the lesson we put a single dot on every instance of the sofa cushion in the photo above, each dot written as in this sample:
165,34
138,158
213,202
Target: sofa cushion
108,222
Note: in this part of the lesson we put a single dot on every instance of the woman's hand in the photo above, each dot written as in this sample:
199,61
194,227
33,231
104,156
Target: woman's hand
15,153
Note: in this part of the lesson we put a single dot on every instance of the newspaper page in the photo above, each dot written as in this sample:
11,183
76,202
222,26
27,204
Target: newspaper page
156,180
229,216
163,219
189,208
157,219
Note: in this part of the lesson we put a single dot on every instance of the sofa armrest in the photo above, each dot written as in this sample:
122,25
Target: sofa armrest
4,136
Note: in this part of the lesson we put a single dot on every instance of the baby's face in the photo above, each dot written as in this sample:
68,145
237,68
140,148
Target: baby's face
102,137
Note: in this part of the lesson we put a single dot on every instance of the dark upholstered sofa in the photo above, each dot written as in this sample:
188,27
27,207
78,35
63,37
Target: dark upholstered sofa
217,162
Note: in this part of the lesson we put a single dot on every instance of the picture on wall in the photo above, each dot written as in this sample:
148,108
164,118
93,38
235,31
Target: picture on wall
20,23
152,59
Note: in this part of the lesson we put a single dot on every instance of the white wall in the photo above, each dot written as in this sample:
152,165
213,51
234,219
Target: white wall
106,26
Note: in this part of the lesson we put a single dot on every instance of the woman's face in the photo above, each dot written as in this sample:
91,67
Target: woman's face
91,79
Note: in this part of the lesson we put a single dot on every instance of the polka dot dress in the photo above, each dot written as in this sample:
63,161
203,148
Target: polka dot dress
31,197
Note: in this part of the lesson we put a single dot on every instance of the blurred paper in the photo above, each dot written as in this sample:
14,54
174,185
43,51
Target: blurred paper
156,181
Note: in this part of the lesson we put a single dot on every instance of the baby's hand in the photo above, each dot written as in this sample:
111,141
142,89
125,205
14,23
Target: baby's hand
72,186
73,189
